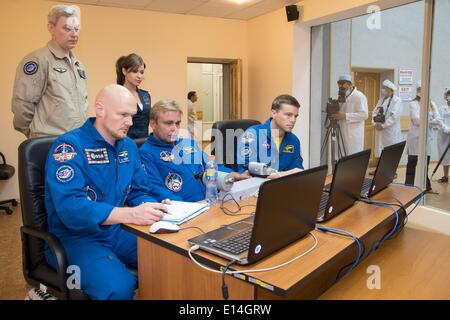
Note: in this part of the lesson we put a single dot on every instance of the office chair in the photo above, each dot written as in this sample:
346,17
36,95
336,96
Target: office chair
224,140
32,157
6,172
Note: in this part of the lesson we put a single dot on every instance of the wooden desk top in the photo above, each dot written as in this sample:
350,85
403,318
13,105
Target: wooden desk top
359,220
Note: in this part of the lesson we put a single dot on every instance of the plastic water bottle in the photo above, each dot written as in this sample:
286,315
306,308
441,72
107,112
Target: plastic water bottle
211,181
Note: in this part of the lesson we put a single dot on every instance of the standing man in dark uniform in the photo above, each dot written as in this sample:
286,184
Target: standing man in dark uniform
50,93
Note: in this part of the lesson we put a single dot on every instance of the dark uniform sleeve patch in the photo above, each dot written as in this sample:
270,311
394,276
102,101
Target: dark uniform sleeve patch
30,68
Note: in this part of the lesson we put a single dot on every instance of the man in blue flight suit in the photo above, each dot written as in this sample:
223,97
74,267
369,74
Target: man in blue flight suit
273,142
174,166
91,173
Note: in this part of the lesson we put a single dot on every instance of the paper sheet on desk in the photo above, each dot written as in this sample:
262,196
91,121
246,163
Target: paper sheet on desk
243,189
181,211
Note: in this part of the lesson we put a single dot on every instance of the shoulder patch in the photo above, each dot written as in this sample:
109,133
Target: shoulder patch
188,150
82,73
64,152
65,174
30,68
123,157
246,152
174,182
247,137
288,148
166,156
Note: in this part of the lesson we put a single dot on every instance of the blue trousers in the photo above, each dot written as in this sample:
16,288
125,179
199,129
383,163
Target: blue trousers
104,272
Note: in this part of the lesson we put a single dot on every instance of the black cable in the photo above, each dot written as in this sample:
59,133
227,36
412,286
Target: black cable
229,212
193,228
224,285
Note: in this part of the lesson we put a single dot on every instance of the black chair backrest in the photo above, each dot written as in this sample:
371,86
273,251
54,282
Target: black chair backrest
224,140
6,170
32,158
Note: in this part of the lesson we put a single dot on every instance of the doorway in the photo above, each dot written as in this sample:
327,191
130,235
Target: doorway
218,84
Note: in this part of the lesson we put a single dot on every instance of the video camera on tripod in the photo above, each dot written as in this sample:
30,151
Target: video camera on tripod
334,134
333,105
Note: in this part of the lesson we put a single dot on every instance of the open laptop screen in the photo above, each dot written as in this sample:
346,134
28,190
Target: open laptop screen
348,178
386,168
286,211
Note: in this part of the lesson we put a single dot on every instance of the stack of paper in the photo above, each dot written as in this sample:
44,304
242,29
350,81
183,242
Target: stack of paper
243,189
180,211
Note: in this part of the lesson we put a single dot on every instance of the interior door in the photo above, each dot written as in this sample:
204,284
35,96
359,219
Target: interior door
235,90
369,84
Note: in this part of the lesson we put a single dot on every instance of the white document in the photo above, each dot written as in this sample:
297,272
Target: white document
243,189
181,211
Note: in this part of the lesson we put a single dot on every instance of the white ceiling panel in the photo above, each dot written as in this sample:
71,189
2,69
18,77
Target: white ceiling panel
136,4
230,9
175,6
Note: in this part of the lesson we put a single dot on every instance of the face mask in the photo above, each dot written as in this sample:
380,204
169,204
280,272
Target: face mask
448,98
383,93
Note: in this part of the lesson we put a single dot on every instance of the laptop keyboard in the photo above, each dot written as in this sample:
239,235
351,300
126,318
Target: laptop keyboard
366,185
236,244
324,201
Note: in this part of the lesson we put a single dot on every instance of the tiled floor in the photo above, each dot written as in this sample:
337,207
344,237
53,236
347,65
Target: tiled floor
13,286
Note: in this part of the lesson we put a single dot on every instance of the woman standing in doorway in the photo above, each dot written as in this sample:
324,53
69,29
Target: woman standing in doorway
130,73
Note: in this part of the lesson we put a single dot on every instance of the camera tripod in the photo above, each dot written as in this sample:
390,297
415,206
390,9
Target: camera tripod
440,160
334,136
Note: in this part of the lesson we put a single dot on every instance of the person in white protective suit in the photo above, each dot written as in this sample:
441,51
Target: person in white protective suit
386,118
352,114
443,136
412,141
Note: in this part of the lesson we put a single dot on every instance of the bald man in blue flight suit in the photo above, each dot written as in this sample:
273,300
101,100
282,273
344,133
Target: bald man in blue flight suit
91,173
273,141
174,165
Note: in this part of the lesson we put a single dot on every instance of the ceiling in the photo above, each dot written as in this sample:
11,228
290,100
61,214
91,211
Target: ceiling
229,9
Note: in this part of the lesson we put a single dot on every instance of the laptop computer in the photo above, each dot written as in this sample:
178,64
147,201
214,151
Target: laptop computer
286,211
345,188
385,170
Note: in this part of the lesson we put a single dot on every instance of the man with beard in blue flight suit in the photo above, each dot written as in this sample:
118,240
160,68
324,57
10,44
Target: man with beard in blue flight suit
174,166
91,173
273,141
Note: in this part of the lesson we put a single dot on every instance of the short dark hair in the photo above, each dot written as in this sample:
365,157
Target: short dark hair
284,99
191,94
131,62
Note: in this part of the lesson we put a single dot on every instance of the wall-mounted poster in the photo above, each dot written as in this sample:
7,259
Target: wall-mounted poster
405,76
405,93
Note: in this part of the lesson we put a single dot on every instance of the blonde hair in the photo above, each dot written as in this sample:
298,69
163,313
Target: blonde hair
164,106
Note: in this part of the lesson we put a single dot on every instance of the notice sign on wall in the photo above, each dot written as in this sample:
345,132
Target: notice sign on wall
405,76
405,93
